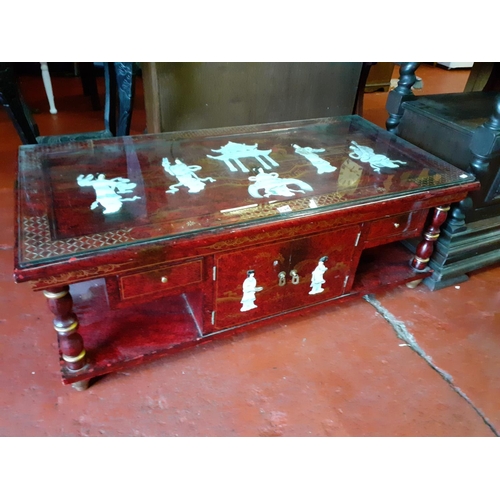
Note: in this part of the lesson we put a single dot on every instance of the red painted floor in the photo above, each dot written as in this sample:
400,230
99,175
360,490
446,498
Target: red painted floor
339,372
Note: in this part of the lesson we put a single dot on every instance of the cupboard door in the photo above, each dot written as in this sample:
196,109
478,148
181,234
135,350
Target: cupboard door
319,267
263,281
257,270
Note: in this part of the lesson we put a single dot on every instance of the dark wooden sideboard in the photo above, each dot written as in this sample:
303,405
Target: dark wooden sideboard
145,245
464,130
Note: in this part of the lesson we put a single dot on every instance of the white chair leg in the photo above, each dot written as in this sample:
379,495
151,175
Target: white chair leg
48,87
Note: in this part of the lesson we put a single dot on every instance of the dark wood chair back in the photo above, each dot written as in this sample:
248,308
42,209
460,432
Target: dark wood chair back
119,82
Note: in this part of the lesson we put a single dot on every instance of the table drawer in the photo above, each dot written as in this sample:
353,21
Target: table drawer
401,225
161,279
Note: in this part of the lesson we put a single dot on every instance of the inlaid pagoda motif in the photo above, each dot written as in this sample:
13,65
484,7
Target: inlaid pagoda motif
272,185
185,175
233,152
108,191
311,155
368,155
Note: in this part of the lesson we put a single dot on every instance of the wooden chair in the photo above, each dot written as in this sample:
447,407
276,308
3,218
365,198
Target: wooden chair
119,79
464,130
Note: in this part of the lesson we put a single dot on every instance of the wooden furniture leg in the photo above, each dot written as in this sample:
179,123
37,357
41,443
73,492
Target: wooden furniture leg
13,102
48,87
125,88
400,94
425,248
89,83
119,101
73,352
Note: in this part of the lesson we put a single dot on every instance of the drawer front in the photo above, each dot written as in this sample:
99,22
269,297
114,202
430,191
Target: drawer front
161,279
402,225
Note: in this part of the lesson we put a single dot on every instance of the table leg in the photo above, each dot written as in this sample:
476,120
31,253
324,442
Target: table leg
48,87
73,352
425,248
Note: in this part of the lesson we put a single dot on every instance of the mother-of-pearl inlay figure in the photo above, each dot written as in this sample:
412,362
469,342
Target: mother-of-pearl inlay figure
311,154
107,191
317,277
185,175
249,288
368,155
274,186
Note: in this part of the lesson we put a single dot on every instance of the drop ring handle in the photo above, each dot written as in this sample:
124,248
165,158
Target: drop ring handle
282,278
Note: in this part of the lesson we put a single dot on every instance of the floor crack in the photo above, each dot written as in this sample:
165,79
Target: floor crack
403,334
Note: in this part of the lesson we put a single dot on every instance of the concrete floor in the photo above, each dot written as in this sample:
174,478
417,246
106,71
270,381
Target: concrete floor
340,372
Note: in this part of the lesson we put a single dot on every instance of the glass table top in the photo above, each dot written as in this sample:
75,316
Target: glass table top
89,196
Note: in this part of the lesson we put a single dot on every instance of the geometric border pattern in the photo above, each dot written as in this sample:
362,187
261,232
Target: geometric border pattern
295,204
38,243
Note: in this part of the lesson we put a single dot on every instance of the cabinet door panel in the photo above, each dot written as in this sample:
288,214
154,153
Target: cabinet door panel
308,262
311,260
232,272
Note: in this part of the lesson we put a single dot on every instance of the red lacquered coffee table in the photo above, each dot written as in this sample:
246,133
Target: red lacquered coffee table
145,245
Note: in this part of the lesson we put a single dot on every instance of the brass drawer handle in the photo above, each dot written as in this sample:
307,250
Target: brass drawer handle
396,224
164,279
295,277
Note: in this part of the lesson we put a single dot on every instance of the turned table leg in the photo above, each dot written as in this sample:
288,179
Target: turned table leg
73,352
425,248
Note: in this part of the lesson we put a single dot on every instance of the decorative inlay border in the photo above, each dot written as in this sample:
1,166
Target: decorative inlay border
38,243
271,209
